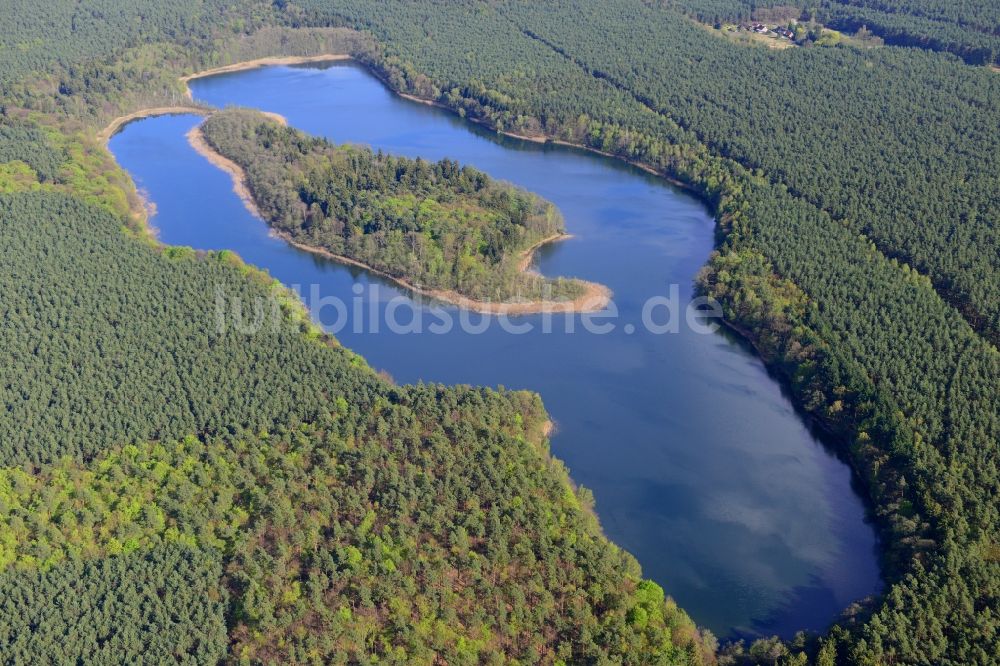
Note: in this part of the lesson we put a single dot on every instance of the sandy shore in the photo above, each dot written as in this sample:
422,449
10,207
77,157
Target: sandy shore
109,131
594,299
276,117
197,140
543,138
105,134
525,264
264,62
537,138
118,122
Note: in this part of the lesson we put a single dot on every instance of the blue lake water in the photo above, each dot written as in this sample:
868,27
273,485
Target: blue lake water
698,462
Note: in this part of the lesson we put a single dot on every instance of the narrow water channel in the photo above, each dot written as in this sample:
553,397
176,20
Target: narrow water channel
699,464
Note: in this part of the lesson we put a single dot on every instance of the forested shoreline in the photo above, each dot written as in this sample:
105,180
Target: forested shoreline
197,493
890,393
438,226
317,488
839,233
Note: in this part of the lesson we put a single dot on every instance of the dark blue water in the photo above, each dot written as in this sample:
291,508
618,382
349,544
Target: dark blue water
699,464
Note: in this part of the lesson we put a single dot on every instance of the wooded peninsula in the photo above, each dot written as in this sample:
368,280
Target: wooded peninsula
170,492
438,228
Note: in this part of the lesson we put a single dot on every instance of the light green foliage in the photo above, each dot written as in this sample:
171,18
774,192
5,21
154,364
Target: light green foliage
34,156
16,176
818,199
436,225
378,526
855,190
450,538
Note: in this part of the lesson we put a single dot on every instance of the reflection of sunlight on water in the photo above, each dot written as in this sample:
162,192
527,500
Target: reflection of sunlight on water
809,543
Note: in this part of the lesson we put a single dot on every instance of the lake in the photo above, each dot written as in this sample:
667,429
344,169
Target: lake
698,461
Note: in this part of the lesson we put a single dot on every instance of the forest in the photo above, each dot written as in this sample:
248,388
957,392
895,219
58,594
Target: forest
886,356
855,192
437,225
966,28
274,482
920,190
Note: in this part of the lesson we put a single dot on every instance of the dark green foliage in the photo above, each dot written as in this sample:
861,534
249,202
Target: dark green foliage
416,524
827,167
164,605
27,143
970,29
779,141
436,225
96,60
916,177
349,536
45,37
110,342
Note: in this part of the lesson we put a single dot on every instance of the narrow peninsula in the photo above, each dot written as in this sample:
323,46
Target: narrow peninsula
438,228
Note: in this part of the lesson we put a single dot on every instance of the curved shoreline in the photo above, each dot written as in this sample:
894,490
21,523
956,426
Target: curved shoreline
115,125
264,62
256,63
196,138
594,299
541,138
738,331
529,254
